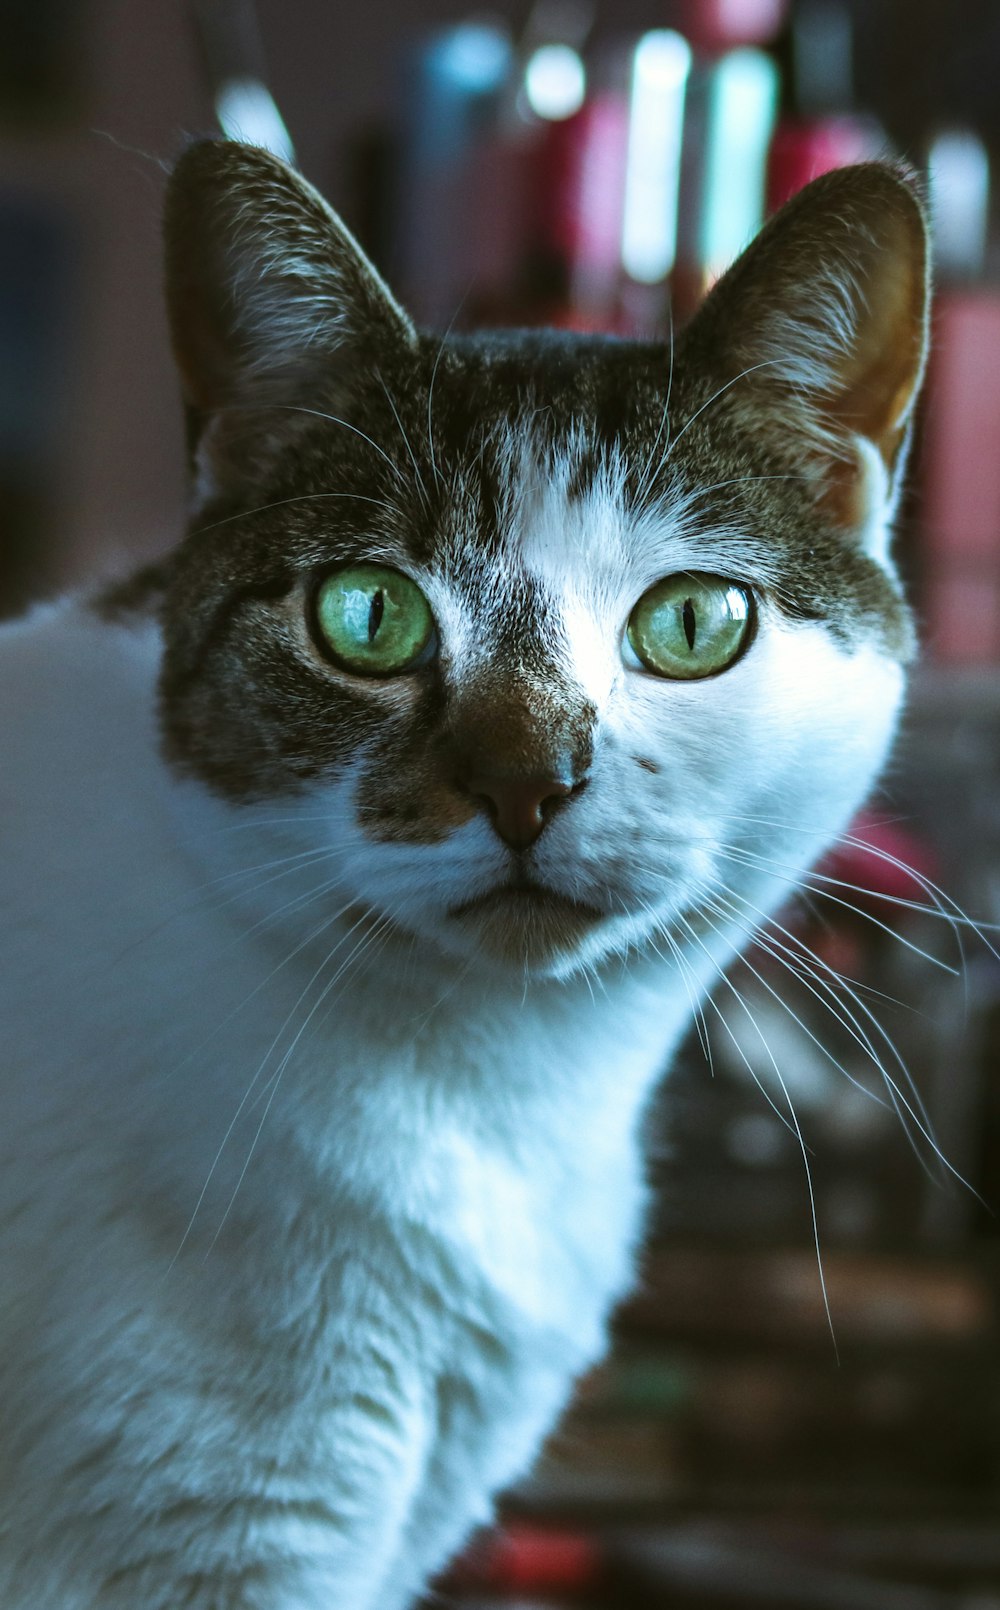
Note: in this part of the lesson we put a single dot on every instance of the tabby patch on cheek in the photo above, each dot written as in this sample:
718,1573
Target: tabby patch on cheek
409,801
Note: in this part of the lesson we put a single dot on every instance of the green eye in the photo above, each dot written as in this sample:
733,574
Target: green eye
375,621
690,625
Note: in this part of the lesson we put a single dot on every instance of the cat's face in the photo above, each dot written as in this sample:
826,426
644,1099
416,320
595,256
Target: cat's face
550,636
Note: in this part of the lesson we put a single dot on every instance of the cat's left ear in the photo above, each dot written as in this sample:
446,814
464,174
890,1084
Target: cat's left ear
264,283
824,319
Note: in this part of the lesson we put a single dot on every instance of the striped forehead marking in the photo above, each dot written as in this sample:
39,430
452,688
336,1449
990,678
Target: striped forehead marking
526,593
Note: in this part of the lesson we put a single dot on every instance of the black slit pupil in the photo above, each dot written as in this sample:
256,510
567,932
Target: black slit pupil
375,612
689,621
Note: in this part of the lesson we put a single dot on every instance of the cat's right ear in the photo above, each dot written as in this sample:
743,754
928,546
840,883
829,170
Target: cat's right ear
265,286
817,339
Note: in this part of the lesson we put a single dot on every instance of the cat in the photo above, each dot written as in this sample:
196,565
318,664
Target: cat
365,861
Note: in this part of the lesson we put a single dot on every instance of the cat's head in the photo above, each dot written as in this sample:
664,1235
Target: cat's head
556,638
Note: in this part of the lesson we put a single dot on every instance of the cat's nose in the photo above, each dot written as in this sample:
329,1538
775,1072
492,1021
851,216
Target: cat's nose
519,806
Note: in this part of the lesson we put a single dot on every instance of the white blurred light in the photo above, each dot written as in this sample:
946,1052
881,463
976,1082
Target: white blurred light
660,68
745,93
959,172
555,82
246,111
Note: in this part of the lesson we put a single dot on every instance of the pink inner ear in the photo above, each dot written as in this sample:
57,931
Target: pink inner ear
843,497
826,316
881,372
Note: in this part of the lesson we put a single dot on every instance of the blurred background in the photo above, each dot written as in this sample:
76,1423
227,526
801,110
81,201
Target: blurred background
802,1407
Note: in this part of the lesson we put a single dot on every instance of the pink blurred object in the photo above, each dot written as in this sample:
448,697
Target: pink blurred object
578,199
527,1558
714,25
883,860
803,148
960,460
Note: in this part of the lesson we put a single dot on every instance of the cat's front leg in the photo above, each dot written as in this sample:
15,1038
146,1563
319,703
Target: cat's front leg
300,1477
491,1424
312,1525
263,1477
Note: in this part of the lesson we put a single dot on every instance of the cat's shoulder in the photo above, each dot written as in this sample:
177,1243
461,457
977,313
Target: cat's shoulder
77,686
113,626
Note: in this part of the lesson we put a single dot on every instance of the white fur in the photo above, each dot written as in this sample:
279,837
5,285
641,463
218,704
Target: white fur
299,1264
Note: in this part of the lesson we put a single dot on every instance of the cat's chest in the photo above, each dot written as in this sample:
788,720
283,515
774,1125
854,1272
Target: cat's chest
552,1236
500,1193
496,1143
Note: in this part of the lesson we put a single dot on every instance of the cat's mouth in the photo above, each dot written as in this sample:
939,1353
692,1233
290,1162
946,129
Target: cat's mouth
521,920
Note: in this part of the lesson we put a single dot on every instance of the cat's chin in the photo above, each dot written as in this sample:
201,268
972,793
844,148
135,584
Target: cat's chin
531,928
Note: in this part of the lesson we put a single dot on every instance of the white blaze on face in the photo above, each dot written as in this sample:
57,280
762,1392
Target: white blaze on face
794,731
575,550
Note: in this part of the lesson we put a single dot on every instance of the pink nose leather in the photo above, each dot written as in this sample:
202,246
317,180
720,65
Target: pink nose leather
517,804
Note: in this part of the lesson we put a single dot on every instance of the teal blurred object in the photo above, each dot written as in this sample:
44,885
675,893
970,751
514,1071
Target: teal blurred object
732,106
451,83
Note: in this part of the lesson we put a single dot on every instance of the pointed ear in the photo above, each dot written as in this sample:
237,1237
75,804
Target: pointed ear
264,284
825,319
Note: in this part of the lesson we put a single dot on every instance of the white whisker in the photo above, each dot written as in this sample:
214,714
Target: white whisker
753,858
817,989
645,477
281,503
318,413
686,973
406,442
430,390
909,1108
279,1071
793,1125
260,1069
766,363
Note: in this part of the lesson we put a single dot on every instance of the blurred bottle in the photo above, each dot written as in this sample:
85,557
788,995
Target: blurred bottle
729,115
960,465
732,103
233,59
958,175
573,116
451,84
660,70
608,185
604,191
